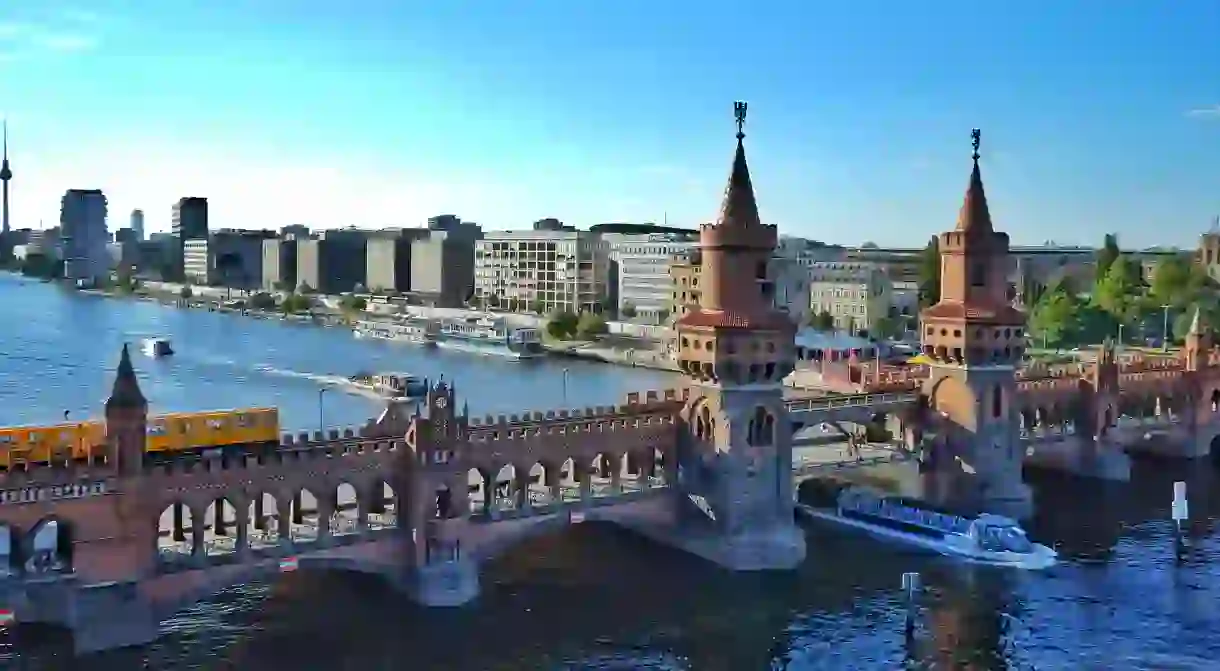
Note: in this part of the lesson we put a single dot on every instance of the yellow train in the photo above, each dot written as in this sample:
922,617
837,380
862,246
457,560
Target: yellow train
167,434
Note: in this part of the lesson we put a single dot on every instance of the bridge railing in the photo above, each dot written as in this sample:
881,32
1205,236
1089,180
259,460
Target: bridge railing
852,401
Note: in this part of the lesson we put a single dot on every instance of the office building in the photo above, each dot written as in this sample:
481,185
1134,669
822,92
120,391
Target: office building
856,295
640,272
196,267
228,257
388,261
335,262
280,264
189,220
551,268
137,224
82,222
785,281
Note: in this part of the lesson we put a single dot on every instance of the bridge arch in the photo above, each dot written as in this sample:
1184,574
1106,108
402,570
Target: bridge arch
383,505
345,519
174,527
479,490
263,520
303,518
47,547
220,523
10,549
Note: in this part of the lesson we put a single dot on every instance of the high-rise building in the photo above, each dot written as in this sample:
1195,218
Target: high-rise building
189,221
137,224
553,267
640,269
82,222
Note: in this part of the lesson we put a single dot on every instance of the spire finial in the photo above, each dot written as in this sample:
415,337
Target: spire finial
976,137
739,112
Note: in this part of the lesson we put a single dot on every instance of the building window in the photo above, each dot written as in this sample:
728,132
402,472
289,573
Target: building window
997,402
978,275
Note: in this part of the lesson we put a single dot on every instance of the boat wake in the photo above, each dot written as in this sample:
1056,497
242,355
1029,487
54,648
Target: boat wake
337,382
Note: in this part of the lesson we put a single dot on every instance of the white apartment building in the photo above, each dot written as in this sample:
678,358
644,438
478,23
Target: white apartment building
541,270
643,281
857,295
84,235
791,281
196,267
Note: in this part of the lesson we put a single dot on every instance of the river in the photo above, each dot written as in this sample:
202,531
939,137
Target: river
596,597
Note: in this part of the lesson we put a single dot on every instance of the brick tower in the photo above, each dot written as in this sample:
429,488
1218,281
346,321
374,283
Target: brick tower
126,420
975,339
734,490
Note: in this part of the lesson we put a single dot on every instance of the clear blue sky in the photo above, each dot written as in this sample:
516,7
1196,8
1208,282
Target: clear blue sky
1097,115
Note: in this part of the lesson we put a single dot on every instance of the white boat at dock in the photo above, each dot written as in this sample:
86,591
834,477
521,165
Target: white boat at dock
985,539
415,332
491,335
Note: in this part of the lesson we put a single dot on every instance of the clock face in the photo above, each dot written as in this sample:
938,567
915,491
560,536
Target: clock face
442,402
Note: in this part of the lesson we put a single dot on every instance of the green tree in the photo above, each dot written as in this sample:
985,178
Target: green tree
628,311
590,325
294,303
1117,292
1052,322
884,328
186,292
1106,256
536,307
353,303
262,301
822,321
304,288
662,316
929,274
562,325
1176,282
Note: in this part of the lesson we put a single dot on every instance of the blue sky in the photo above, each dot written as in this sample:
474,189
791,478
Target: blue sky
1097,115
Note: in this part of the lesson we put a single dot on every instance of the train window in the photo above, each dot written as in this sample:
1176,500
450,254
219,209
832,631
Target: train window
216,424
5,440
157,429
243,420
184,426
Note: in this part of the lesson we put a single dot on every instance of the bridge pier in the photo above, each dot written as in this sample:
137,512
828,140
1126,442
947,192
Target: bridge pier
1081,457
109,616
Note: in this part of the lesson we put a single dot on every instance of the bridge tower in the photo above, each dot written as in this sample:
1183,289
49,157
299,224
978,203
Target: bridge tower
126,420
734,484
974,337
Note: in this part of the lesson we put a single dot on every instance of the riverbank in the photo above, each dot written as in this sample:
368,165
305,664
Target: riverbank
631,357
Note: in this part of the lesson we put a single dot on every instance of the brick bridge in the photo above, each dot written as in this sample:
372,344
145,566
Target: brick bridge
111,546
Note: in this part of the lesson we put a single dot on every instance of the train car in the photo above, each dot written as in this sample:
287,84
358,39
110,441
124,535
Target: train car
56,443
200,431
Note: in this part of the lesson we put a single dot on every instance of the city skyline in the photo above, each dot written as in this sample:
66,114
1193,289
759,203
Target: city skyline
1094,121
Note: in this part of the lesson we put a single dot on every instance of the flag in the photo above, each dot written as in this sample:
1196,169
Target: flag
288,565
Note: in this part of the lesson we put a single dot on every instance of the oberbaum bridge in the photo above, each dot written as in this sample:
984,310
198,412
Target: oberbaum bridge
111,546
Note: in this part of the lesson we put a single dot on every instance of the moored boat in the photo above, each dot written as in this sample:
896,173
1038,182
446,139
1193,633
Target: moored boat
415,332
157,347
491,335
986,538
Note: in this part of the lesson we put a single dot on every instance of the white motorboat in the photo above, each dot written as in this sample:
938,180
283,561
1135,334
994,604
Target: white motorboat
157,347
392,386
985,539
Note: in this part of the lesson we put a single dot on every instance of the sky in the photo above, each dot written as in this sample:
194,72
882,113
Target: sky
1096,115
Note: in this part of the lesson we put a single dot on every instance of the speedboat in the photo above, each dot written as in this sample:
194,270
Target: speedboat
984,539
157,347
390,385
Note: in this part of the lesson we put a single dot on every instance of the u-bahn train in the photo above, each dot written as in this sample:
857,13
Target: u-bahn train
169,434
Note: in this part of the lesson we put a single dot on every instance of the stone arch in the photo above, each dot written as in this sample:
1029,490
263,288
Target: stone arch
303,516
539,478
955,401
263,521
48,547
761,428
10,550
220,527
504,488
345,519
383,505
174,527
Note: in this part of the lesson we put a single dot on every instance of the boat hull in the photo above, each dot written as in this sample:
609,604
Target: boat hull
484,347
1040,558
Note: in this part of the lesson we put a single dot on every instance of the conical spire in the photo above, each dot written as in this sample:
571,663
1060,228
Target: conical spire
974,215
739,207
126,391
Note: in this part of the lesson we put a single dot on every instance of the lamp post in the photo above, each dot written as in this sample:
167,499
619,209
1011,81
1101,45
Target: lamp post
1165,329
321,412
565,387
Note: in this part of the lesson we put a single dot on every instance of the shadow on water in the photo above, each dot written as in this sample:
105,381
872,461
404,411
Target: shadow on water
599,598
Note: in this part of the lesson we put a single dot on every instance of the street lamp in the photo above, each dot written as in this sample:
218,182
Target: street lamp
321,414
1165,330
565,387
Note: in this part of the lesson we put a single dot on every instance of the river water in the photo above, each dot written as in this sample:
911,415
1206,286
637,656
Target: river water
596,597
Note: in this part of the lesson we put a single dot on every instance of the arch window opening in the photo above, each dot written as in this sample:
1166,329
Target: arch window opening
761,428
220,528
48,548
541,485
263,522
303,517
504,494
383,508
175,533
478,491
345,520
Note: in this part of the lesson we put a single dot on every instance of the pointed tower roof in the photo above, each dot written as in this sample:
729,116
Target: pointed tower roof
126,391
974,216
739,206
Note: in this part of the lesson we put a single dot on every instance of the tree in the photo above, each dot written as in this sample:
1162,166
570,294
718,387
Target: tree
353,303
1175,282
537,307
608,307
884,328
186,292
929,274
822,321
304,288
562,325
1117,291
1106,256
628,311
590,325
262,301
662,316
284,286
293,303
1053,319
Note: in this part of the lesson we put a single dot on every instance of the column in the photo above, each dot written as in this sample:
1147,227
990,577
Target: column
297,513
220,525
243,539
260,516
198,537
284,529
522,483
179,532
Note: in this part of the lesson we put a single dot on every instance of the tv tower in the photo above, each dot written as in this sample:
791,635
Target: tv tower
6,174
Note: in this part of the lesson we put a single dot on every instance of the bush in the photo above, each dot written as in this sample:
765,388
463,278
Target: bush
562,325
186,293
590,326
262,301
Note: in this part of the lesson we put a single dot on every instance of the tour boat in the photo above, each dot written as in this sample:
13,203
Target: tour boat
408,331
489,335
390,385
985,539
157,347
